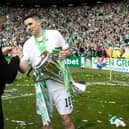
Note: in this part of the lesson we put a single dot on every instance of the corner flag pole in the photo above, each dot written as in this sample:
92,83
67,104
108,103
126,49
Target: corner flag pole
110,62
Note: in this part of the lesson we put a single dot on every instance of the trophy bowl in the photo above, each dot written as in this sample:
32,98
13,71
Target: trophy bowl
51,69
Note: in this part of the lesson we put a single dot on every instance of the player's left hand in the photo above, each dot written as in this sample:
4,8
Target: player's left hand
62,55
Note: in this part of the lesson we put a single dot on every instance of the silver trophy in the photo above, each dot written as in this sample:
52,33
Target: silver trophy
50,67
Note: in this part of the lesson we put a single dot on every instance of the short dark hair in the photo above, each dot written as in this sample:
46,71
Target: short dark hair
34,16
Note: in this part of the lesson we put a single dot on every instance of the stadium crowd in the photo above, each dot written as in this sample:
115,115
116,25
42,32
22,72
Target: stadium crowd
88,29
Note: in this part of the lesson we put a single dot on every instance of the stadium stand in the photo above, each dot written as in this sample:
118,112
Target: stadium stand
86,27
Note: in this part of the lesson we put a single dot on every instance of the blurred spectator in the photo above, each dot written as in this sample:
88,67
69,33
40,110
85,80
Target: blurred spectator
116,52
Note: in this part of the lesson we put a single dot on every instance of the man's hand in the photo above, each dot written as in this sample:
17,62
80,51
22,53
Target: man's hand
65,54
6,50
12,51
16,51
62,55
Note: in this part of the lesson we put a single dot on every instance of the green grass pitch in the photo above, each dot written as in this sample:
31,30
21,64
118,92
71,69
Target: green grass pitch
103,99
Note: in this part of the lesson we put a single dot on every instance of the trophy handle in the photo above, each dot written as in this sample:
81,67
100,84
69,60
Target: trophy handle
44,57
78,87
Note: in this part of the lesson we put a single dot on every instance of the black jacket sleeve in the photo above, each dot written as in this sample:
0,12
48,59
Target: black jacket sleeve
9,71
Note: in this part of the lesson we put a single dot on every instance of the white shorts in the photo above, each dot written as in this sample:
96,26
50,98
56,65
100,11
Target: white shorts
62,101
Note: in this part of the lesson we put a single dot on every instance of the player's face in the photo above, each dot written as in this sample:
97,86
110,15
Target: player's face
32,26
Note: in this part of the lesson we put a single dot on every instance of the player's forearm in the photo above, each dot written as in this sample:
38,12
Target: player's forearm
23,66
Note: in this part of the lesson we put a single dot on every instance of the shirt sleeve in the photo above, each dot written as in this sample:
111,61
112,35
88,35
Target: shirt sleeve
61,41
25,54
9,71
